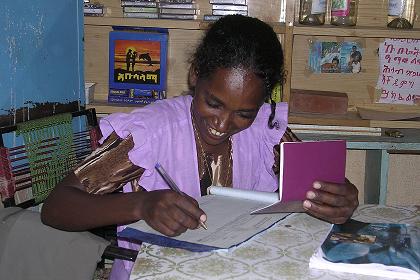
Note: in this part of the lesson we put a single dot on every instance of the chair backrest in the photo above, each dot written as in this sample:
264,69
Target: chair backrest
49,148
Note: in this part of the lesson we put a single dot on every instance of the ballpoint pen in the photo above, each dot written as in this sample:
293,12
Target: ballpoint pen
173,186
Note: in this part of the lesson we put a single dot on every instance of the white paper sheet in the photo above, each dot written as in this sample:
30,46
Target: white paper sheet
267,197
228,220
399,73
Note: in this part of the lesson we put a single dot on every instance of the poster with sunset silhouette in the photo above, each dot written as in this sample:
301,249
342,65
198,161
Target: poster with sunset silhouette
137,60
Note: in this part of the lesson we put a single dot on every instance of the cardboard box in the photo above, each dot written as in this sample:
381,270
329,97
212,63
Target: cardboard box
320,102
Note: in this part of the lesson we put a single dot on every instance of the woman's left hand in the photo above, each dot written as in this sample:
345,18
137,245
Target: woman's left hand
332,202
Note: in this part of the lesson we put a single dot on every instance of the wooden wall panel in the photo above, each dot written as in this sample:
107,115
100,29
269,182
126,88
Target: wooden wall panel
359,87
182,43
97,59
267,10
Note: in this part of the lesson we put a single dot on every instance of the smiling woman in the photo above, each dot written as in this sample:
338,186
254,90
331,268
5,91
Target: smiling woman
224,104
221,134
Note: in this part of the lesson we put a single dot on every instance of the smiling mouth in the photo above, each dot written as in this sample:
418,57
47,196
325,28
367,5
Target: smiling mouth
216,133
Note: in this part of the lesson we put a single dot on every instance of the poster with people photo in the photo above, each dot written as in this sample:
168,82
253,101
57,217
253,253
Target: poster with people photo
137,65
335,57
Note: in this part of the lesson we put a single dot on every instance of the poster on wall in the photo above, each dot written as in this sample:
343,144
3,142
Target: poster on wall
335,57
137,65
399,71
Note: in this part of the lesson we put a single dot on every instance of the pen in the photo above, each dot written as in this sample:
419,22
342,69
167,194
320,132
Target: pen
173,186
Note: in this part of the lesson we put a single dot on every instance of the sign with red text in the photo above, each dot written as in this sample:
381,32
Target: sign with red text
399,73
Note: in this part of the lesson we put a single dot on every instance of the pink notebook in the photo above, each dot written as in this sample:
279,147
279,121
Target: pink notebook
302,163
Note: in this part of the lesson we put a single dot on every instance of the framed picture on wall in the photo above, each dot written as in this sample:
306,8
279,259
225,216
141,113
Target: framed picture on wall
137,65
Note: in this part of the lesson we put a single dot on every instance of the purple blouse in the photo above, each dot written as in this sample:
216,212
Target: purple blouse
163,132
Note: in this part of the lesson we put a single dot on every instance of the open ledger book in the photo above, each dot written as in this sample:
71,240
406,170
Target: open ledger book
228,220
378,249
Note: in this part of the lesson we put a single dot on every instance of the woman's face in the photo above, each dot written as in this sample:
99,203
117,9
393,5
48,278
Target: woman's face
226,103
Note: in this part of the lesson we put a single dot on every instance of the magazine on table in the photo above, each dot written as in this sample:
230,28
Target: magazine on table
377,249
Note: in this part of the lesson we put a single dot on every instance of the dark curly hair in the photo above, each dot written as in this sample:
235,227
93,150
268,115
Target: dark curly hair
241,41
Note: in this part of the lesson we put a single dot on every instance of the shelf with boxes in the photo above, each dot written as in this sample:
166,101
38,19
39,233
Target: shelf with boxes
361,90
356,31
370,13
183,37
369,31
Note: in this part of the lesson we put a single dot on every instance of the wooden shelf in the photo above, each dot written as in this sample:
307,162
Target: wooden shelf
350,119
278,27
108,108
185,34
358,31
125,21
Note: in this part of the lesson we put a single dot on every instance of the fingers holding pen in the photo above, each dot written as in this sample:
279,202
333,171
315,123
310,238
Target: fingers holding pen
190,206
171,213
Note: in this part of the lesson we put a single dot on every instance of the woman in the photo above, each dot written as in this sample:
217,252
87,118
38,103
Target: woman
223,134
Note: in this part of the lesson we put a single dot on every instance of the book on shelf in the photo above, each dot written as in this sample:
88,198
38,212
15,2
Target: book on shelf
335,129
232,2
177,1
211,17
337,132
89,92
137,64
224,231
178,11
377,249
177,5
93,9
138,3
230,7
142,15
302,163
228,12
139,9
135,96
178,16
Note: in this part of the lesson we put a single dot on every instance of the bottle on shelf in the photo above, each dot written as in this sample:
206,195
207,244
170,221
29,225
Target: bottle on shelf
344,12
401,14
312,12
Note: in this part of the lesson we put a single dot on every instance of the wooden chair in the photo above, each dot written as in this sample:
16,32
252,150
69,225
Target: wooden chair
48,149
37,154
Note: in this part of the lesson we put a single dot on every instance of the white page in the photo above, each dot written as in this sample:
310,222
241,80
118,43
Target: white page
268,197
275,206
228,220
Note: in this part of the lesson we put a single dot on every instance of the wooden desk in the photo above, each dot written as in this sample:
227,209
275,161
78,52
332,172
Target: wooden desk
377,149
282,252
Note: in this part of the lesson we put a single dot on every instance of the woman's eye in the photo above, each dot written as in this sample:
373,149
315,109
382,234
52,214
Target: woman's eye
212,104
248,116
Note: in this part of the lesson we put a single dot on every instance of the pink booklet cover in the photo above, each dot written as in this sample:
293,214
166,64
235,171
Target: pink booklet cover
302,163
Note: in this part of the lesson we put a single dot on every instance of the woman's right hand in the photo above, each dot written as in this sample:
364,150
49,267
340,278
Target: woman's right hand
169,212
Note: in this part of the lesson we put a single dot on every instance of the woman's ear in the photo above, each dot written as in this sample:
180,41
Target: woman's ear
192,77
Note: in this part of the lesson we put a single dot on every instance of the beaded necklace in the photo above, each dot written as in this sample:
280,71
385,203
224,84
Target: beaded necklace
203,155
